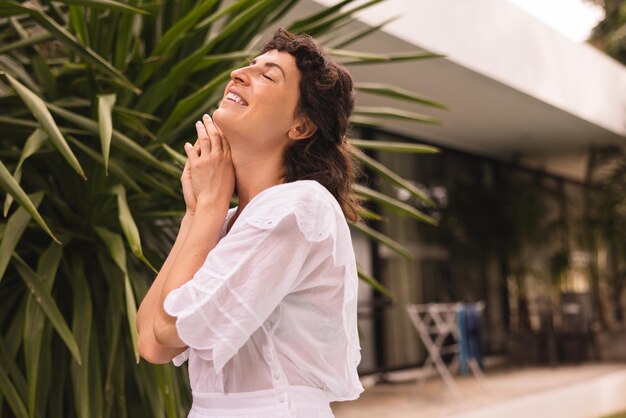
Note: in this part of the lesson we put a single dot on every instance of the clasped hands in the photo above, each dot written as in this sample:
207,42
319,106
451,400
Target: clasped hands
208,178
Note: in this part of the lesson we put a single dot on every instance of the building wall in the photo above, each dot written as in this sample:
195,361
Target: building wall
502,229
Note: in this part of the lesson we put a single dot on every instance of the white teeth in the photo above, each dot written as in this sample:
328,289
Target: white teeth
235,98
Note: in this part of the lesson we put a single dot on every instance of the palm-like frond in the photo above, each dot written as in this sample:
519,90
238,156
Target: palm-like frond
96,97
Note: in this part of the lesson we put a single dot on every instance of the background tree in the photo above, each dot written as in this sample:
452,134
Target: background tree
606,196
96,99
609,34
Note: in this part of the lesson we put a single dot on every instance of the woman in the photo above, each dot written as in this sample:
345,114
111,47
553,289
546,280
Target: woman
261,298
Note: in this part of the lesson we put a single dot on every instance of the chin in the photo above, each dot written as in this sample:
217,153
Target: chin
222,120
227,123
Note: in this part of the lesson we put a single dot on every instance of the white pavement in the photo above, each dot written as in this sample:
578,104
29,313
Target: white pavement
583,391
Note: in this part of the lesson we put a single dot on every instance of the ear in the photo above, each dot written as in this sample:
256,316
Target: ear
303,129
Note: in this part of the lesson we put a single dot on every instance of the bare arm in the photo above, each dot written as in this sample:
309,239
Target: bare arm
208,183
149,348
202,238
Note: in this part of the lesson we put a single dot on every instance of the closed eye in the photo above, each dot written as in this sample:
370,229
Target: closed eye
267,77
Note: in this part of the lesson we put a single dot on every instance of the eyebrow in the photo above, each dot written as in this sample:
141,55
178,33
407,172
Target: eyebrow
272,65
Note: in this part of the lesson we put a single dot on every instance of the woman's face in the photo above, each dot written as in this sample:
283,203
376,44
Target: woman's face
257,110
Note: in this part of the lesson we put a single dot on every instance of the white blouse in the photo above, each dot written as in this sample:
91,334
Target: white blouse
275,302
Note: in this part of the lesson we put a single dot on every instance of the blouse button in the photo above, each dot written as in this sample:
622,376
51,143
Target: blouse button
282,398
276,375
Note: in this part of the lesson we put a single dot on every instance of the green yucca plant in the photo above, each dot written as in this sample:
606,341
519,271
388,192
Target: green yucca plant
96,99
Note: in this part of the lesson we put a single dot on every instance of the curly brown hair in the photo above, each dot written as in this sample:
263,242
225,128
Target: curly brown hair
327,99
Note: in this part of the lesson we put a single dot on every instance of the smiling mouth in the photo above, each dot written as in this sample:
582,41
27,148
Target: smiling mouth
236,99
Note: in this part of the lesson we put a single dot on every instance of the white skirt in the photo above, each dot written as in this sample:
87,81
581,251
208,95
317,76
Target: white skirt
285,402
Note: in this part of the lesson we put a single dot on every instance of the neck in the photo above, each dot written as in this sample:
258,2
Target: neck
253,177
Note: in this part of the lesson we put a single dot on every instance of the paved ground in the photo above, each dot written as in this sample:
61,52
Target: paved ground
431,399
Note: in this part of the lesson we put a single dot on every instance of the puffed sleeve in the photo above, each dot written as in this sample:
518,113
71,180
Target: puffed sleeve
247,274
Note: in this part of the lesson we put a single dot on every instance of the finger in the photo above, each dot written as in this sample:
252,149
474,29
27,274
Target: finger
205,143
186,170
192,155
196,147
214,135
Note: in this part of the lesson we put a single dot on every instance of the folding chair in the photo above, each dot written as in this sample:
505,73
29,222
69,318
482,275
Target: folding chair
440,320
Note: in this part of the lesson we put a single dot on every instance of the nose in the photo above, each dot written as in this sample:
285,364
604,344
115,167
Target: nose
239,76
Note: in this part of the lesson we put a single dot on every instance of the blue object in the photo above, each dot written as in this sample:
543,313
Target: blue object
473,324
463,346
469,326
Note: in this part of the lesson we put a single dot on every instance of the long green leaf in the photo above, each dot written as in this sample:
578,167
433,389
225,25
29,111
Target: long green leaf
45,76
10,9
150,180
328,22
365,121
106,4
115,248
383,239
8,364
173,37
115,245
367,214
231,9
393,92
177,32
35,321
165,385
28,207
131,232
78,24
116,168
211,60
114,297
317,16
356,58
361,33
189,105
105,106
375,284
388,174
162,89
67,39
32,40
17,175
95,386
17,70
30,124
405,147
15,227
13,398
44,299
393,204
130,112
131,315
119,140
47,123
81,328
32,145
393,113
123,54
8,183
177,156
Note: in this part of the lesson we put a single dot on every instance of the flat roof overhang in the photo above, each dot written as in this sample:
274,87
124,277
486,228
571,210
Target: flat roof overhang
515,85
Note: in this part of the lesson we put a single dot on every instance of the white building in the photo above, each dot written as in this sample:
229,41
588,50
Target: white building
519,91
